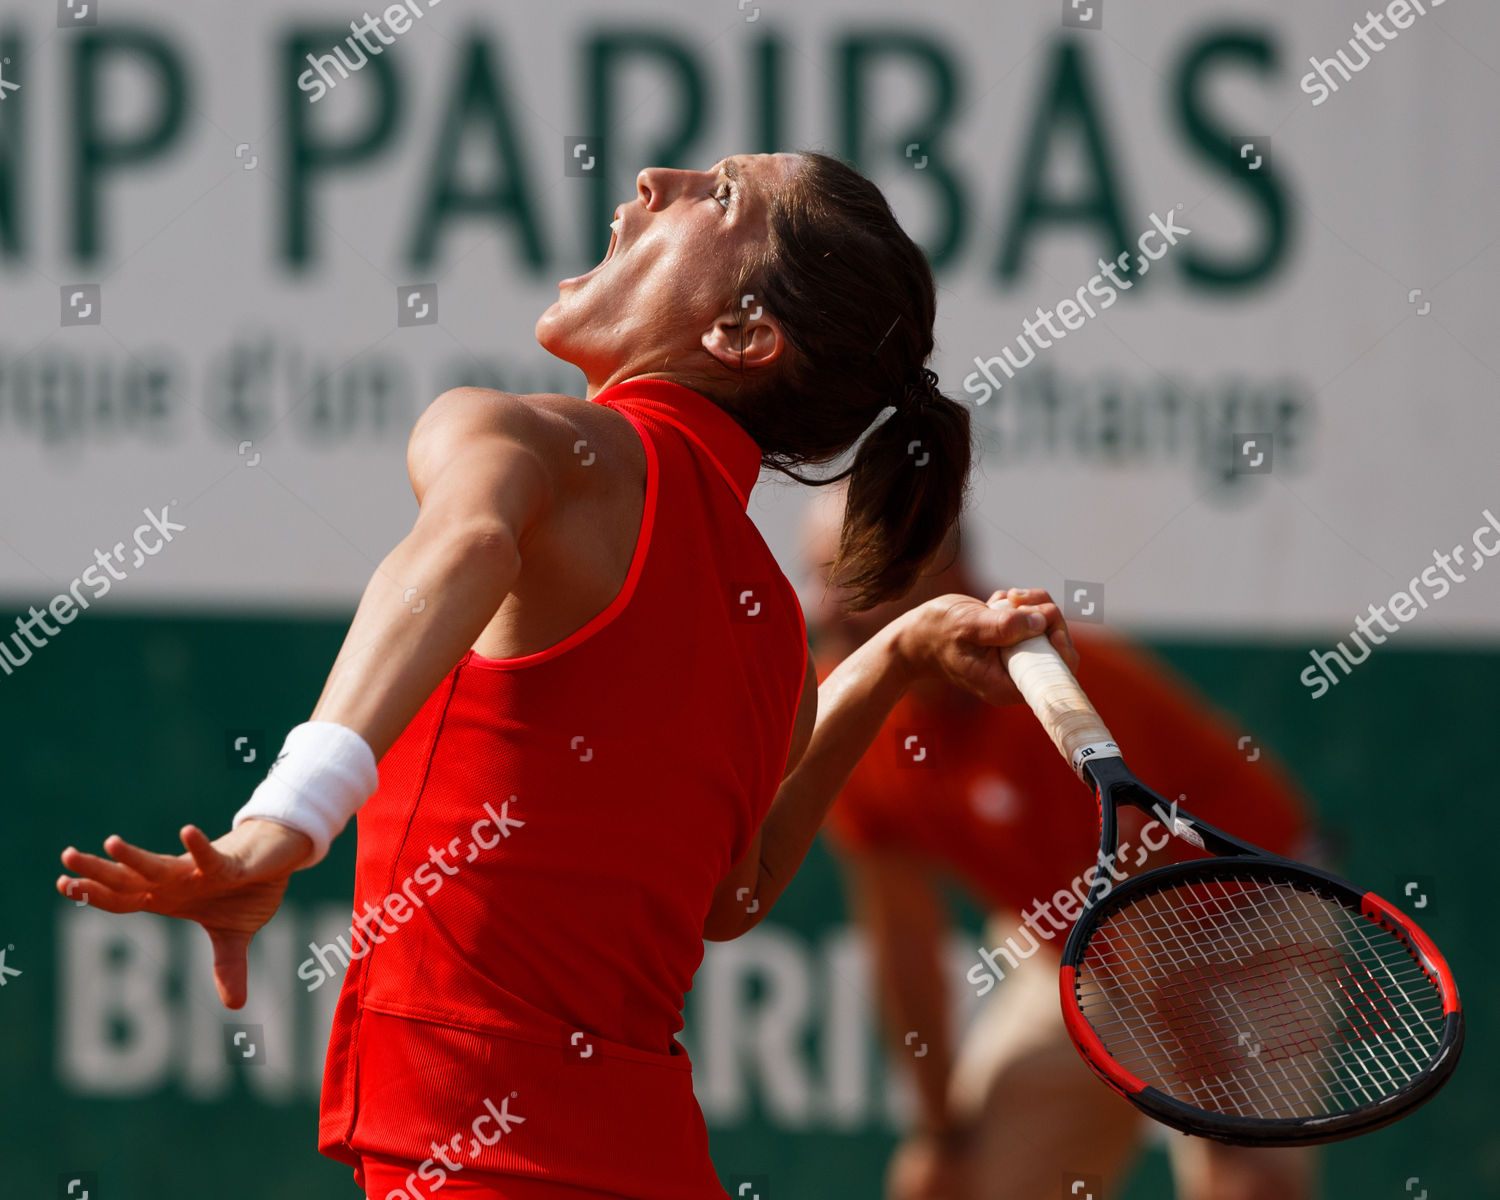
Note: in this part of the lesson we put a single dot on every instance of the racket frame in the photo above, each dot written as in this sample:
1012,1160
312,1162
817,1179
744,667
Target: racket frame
1114,784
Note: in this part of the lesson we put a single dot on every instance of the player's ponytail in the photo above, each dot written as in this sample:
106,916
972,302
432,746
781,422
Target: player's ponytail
906,491
855,300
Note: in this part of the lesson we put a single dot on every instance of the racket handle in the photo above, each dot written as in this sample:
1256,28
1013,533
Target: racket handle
1046,684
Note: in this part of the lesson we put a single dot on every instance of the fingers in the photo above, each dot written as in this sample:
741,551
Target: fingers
1039,600
154,867
100,896
1026,596
231,966
1062,641
206,856
1021,600
1010,621
113,875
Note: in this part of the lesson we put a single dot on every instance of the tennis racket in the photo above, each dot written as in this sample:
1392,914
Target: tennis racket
1243,997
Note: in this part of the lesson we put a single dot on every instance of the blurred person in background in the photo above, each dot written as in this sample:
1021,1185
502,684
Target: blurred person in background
955,789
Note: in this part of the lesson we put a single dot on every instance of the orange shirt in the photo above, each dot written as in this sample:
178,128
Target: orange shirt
981,792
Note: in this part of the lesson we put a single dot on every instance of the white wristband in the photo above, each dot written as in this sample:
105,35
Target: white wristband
323,775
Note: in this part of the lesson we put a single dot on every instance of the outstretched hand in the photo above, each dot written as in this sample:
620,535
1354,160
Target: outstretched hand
231,886
959,638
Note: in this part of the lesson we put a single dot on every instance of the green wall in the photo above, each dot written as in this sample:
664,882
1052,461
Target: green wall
122,725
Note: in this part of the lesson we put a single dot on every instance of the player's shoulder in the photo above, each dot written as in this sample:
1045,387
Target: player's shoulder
475,412
558,430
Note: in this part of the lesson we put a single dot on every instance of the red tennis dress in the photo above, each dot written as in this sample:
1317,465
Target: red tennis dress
534,871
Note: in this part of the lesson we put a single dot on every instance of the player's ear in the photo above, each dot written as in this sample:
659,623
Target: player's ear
745,336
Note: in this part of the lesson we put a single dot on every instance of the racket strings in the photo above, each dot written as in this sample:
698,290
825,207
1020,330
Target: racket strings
1297,1022
1257,997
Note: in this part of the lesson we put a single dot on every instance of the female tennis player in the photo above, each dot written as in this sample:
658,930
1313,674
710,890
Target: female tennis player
599,737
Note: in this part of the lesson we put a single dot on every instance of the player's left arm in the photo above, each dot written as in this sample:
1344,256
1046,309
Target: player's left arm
953,637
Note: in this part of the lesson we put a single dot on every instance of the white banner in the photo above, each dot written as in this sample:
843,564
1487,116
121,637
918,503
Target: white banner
227,295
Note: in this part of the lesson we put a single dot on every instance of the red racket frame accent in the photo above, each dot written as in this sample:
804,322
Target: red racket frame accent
1428,955
1052,693
1087,1040
1261,1131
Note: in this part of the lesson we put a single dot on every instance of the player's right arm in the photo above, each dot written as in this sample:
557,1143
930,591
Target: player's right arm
486,469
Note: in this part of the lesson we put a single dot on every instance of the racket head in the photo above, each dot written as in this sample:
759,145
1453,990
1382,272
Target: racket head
1257,1001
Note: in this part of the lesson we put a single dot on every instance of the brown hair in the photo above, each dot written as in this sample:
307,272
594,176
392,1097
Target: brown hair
855,299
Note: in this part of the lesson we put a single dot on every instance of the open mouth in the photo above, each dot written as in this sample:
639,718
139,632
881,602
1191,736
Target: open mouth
614,242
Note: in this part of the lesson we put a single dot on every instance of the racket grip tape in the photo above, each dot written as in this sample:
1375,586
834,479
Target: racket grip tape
1044,681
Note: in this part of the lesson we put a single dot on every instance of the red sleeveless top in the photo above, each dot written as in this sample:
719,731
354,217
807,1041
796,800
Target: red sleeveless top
534,871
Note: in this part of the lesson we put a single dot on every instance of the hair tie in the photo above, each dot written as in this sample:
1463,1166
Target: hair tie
921,390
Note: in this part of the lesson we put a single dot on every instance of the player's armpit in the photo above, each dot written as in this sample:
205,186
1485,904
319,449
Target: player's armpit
807,719
736,909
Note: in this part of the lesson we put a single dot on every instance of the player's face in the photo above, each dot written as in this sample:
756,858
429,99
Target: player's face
672,261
